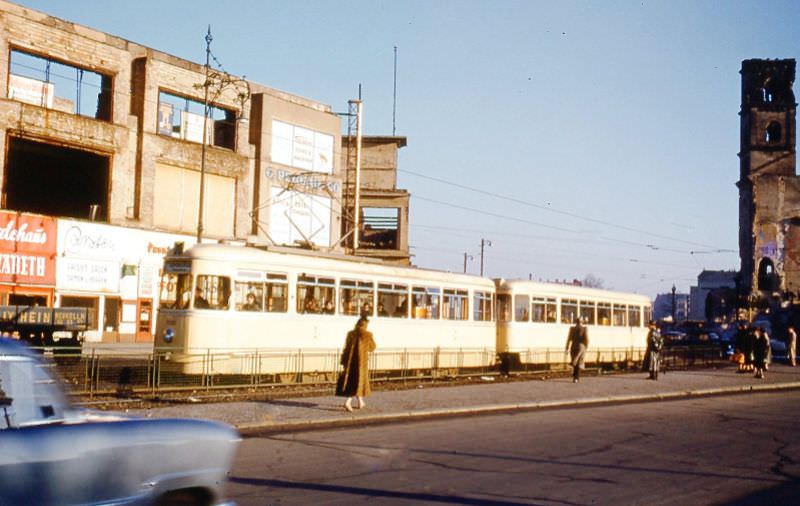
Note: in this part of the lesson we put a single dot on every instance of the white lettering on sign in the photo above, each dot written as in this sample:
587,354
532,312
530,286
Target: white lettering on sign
12,233
22,265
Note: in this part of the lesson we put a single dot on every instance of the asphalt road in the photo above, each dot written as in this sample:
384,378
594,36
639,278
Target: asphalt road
741,449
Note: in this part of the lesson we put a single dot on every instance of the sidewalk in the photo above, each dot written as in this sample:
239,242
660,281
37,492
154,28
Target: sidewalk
486,397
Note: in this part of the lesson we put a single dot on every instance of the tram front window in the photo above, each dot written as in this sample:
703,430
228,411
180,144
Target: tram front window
175,291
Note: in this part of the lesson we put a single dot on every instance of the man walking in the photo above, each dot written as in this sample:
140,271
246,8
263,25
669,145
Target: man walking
577,342
654,344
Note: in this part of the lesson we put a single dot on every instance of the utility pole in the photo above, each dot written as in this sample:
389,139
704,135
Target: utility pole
209,38
484,242
466,256
357,187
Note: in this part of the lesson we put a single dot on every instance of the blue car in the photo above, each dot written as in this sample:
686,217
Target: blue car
53,454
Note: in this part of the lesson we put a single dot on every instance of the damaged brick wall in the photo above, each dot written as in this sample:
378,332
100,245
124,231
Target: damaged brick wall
769,189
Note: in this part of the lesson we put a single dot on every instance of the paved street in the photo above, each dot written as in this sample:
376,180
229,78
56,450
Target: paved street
741,449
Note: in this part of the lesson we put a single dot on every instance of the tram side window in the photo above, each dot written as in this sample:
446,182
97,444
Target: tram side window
455,305
603,313
503,307
315,295
425,303
569,310
634,313
175,291
587,312
543,310
482,306
356,297
277,293
249,296
212,292
619,315
647,315
392,300
521,312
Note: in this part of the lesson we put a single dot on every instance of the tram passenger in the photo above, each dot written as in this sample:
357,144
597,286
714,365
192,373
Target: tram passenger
310,305
402,310
382,310
251,304
199,301
577,342
329,307
353,381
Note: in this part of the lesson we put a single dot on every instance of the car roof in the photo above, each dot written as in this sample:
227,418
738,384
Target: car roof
14,347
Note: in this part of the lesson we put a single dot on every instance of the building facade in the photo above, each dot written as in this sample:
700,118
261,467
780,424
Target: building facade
110,150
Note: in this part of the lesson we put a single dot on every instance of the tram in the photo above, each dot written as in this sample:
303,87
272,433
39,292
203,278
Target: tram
229,300
537,316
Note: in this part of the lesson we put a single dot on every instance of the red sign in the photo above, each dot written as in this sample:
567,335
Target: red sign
27,249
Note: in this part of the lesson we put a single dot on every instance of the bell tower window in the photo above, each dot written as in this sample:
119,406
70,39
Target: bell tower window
773,133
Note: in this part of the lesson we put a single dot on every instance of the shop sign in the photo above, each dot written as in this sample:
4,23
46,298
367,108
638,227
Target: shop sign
27,248
88,275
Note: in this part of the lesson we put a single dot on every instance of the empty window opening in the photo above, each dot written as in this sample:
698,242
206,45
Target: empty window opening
380,228
768,279
56,181
773,134
48,83
183,118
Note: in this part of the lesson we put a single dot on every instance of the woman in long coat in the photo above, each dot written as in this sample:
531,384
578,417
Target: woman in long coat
354,379
761,351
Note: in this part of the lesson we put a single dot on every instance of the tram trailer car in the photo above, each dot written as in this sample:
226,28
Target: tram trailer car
220,302
533,321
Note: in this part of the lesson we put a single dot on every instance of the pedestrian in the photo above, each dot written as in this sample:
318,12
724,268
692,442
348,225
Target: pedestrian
747,348
791,345
354,379
761,350
742,339
654,344
577,342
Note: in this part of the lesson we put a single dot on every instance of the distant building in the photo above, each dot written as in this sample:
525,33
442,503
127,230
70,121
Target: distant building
662,307
714,295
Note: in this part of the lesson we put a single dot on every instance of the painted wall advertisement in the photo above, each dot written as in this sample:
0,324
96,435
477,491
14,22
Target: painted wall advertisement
99,258
27,249
301,148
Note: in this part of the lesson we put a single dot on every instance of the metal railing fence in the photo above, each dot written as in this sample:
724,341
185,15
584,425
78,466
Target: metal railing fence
123,372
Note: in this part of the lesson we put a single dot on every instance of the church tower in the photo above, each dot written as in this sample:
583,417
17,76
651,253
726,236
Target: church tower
769,190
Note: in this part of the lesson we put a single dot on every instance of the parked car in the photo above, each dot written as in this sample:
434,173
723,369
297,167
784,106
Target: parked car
54,454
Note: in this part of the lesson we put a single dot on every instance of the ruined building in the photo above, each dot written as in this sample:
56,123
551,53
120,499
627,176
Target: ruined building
769,188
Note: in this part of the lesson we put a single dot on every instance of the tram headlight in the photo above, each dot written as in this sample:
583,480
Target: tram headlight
169,334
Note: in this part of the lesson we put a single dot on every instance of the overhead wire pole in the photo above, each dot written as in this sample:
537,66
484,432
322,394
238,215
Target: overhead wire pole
394,94
206,84
357,186
484,242
466,256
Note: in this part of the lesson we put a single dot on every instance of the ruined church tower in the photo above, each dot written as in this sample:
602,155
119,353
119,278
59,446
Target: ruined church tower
769,189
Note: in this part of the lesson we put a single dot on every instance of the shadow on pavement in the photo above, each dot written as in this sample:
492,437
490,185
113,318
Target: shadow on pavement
783,493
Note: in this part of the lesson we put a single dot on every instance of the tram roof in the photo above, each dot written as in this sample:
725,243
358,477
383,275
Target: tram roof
297,257
566,290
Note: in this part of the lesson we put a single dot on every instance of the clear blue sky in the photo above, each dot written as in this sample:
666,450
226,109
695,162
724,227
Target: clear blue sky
602,137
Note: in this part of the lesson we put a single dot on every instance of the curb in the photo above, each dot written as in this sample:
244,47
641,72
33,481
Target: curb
429,414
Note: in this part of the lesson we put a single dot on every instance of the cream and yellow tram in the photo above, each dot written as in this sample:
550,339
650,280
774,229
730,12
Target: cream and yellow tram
533,320
227,309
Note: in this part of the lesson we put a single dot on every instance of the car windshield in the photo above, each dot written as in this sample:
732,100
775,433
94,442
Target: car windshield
28,395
